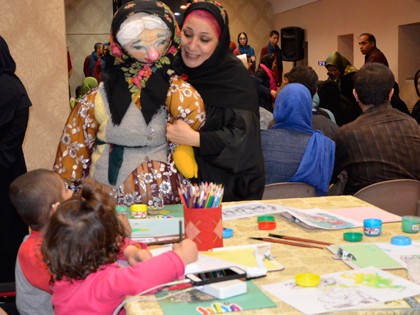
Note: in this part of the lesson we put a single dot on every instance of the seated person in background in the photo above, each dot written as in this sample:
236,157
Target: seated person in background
330,98
232,46
266,119
341,71
88,84
87,229
292,150
307,76
415,113
265,82
381,144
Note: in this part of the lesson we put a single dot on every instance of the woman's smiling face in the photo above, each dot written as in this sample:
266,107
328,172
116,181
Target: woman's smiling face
198,41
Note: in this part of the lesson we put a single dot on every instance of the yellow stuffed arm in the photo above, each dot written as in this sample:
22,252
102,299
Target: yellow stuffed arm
185,103
185,161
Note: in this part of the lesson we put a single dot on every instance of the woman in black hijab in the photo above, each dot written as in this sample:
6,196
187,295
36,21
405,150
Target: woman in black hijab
228,147
14,114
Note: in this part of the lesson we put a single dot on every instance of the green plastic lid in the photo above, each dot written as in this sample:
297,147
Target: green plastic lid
353,236
121,209
265,218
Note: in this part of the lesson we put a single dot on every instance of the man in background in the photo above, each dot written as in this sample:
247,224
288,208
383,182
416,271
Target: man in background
273,48
367,43
382,143
93,60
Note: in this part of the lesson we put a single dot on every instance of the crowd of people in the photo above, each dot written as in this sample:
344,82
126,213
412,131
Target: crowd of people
158,88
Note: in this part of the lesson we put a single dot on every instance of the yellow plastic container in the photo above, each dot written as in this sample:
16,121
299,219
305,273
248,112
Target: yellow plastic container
138,211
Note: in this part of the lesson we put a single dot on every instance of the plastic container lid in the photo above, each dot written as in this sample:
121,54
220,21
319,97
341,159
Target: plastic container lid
352,236
265,218
227,232
307,279
267,225
138,207
401,240
372,222
122,209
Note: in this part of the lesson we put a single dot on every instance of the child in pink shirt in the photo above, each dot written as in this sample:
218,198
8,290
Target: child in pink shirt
36,195
82,242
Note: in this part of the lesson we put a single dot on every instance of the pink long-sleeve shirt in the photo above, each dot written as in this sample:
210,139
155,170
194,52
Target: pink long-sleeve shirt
101,292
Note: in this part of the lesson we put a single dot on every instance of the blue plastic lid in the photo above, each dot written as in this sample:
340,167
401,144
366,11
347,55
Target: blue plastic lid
401,240
227,232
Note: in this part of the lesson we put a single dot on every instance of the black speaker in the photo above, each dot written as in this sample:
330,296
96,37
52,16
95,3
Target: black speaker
292,43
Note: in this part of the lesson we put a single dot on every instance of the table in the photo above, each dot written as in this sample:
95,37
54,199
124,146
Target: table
297,259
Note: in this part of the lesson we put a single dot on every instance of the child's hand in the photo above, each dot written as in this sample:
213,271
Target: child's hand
186,250
134,255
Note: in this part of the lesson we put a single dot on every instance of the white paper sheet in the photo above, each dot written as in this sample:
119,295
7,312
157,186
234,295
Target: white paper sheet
354,289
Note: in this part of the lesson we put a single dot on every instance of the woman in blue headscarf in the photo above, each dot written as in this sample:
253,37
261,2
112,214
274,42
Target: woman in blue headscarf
293,151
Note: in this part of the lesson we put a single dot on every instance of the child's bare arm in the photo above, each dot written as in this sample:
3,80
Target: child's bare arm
186,250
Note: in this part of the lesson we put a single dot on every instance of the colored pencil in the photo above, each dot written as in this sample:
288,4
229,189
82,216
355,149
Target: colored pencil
180,231
292,238
205,195
279,241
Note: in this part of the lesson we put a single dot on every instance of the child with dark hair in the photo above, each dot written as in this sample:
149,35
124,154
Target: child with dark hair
35,195
82,242
266,82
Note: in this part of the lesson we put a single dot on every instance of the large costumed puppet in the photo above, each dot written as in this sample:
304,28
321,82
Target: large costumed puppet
116,134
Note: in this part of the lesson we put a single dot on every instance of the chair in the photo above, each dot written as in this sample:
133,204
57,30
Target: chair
288,190
7,289
399,196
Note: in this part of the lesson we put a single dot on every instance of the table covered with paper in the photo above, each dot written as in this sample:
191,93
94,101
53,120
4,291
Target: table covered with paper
345,287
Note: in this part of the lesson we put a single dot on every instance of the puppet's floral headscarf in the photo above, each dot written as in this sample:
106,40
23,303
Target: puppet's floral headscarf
145,84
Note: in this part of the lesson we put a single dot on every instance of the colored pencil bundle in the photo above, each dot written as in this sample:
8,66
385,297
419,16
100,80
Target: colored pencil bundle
205,195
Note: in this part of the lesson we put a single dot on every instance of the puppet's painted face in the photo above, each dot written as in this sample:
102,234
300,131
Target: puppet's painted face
149,45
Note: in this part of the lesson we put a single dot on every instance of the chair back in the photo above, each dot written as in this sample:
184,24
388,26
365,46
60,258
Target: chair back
7,289
399,196
288,190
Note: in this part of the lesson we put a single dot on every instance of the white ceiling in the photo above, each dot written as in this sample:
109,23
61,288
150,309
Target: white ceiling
285,5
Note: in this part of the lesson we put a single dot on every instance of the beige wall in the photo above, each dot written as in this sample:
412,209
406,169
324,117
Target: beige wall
35,33
324,21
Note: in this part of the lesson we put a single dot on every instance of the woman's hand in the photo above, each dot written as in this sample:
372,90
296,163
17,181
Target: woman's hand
181,133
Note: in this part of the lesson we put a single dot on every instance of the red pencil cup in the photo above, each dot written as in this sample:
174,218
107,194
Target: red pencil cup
204,226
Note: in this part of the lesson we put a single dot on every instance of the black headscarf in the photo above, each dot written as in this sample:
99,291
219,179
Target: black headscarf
120,65
13,94
221,80
7,64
